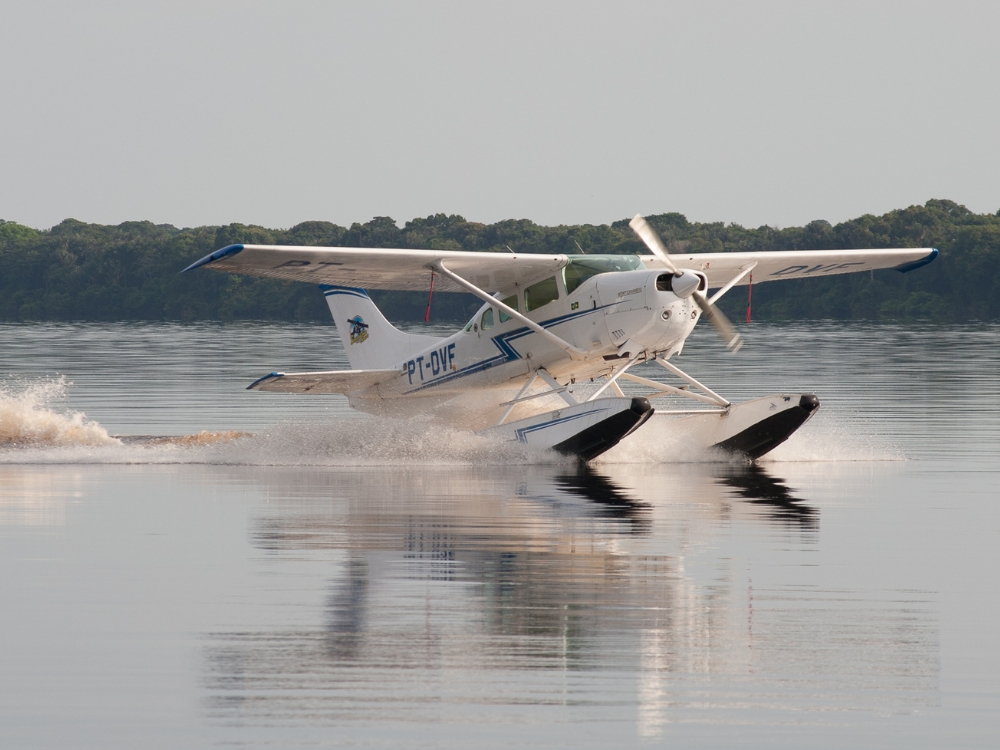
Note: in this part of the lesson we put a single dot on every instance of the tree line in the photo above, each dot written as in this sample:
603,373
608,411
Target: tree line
80,271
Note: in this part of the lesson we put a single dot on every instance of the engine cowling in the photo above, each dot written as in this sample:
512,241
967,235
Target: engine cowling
651,308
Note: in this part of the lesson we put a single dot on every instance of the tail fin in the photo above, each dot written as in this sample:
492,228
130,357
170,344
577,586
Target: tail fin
371,341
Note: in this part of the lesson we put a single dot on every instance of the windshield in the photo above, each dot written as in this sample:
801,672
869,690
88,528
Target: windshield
582,267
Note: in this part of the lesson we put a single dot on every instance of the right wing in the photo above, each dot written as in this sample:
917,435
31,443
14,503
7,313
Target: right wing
773,265
336,381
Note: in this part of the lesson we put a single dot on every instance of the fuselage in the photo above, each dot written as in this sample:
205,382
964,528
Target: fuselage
605,306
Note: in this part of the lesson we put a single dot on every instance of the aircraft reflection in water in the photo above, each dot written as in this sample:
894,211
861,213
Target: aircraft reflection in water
447,580
757,486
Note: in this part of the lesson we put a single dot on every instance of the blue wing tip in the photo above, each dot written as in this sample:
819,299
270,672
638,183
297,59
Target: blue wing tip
214,256
919,263
258,381
328,288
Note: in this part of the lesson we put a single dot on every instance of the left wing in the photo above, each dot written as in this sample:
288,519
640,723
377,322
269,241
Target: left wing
336,381
773,265
368,268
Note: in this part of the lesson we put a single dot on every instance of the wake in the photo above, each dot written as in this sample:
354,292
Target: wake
34,431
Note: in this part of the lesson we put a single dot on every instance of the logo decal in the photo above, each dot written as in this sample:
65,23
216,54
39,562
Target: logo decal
359,329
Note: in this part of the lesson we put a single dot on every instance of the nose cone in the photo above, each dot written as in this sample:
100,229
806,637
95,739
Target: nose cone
685,284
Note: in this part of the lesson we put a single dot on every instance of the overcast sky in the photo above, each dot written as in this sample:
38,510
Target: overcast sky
275,113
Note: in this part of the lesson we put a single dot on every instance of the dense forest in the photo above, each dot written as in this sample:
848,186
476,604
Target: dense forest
78,271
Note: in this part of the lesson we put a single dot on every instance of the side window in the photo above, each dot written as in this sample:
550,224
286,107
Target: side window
540,294
575,274
510,301
487,319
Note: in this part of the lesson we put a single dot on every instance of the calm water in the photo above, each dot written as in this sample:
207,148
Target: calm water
334,580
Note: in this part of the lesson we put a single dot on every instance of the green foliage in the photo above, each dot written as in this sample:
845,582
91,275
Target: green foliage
78,271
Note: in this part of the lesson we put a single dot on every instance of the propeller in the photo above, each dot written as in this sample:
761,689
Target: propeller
709,311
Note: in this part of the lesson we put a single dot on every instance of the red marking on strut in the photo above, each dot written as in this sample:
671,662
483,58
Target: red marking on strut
430,296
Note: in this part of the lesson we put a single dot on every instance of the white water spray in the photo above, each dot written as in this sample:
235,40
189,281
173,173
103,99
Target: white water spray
28,419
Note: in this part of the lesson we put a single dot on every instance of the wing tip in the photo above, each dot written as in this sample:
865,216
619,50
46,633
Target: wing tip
258,381
920,262
214,256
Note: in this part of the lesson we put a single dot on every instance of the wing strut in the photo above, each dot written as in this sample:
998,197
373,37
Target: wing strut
744,270
574,352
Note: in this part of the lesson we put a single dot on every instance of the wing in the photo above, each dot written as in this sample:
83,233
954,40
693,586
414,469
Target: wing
795,264
337,381
410,270
382,269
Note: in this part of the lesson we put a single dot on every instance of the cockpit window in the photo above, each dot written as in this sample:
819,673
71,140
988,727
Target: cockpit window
583,267
487,321
540,294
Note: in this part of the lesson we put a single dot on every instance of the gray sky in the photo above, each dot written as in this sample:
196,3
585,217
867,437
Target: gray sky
276,113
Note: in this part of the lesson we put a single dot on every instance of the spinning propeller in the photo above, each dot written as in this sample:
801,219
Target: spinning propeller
686,283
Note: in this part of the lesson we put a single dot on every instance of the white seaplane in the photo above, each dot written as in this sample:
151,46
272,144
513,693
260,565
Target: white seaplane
541,360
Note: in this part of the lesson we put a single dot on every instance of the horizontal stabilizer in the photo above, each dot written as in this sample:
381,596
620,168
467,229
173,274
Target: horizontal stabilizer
336,381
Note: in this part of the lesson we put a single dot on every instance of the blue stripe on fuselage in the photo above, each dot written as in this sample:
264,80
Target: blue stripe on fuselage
507,352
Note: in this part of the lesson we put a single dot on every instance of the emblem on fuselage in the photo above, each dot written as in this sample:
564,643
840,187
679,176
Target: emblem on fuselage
359,329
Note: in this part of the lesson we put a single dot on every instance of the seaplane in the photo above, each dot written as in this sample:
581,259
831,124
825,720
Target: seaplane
542,361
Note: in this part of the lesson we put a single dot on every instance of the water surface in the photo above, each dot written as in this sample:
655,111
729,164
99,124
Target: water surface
329,579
